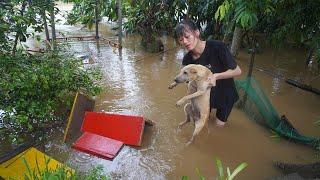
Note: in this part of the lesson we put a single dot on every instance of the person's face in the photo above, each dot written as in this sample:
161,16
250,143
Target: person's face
189,39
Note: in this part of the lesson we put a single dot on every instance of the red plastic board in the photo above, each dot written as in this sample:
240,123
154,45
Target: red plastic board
98,145
125,128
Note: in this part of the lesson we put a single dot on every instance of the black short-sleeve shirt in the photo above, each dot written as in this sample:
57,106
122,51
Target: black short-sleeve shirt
217,58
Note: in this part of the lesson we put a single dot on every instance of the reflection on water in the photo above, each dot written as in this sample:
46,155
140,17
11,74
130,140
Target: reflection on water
179,55
81,158
276,81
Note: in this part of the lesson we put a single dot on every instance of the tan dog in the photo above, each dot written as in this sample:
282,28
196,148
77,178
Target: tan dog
199,88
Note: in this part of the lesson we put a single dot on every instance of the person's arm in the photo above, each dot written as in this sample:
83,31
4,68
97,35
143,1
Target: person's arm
230,73
226,59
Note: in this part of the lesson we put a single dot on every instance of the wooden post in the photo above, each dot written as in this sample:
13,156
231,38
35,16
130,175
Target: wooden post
53,27
253,53
97,19
119,23
236,41
44,18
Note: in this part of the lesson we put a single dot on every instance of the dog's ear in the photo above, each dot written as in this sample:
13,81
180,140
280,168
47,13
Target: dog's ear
193,70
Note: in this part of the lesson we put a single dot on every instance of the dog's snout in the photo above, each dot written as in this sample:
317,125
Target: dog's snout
176,80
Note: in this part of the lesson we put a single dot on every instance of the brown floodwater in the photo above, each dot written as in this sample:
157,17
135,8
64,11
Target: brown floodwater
136,83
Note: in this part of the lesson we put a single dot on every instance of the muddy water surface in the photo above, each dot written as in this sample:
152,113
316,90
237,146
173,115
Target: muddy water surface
136,84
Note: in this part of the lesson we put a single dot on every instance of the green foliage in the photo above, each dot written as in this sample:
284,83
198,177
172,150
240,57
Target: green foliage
199,174
95,173
149,19
295,21
222,10
221,171
276,136
317,122
184,178
246,14
230,175
16,16
4,25
201,11
61,172
83,12
37,90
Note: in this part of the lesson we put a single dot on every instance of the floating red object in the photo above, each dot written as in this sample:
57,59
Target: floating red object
98,145
125,128
103,133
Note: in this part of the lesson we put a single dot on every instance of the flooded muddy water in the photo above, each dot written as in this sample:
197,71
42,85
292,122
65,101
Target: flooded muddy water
136,83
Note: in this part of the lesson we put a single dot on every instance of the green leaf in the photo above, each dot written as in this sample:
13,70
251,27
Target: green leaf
275,134
184,178
317,122
199,174
222,12
216,15
237,170
228,173
219,167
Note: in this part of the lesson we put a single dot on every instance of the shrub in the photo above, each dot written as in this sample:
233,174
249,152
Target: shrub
37,91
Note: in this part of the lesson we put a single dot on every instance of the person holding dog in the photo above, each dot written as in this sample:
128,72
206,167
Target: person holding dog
215,56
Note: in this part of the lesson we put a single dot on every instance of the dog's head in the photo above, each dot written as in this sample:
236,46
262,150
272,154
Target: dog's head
192,72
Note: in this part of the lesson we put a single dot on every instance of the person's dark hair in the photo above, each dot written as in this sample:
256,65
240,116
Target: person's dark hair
183,26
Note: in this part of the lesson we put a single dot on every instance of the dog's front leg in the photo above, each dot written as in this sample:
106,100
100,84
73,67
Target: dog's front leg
190,96
171,86
181,101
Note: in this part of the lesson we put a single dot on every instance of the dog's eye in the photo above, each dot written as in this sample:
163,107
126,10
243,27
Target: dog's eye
184,72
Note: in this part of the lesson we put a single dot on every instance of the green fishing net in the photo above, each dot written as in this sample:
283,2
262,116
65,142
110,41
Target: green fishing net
257,106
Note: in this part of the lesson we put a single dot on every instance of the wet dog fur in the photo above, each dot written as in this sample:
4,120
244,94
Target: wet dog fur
198,92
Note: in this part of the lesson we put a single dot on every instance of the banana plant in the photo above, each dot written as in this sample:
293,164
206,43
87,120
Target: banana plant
245,16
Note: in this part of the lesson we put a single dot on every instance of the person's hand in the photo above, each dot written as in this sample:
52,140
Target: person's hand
212,80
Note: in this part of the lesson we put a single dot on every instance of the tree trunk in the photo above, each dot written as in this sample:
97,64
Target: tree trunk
53,26
14,49
253,53
44,18
236,41
119,23
97,19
